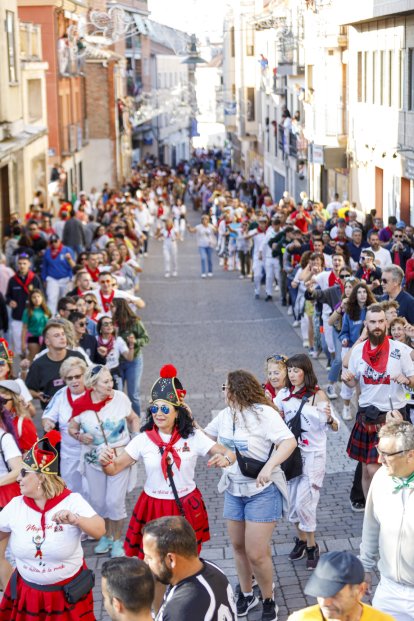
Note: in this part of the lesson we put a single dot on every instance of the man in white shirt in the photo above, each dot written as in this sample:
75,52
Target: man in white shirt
383,369
382,255
388,530
334,205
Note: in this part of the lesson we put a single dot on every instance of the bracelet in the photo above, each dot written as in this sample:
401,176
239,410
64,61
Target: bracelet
108,464
228,459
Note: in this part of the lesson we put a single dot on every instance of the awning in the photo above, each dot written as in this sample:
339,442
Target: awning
141,24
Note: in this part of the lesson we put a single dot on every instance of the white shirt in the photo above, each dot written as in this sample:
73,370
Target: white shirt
59,411
59,552
10,450
378,389
253,434
333,205
155,485
205,236
382,257
335,229
313,422
119,348
113,418
259,238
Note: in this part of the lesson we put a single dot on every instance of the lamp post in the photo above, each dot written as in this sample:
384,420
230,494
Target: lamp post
192,60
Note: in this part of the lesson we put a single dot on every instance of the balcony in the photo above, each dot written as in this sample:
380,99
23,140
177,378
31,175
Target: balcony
30,42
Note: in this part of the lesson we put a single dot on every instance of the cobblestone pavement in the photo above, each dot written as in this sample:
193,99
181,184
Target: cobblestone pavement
206,327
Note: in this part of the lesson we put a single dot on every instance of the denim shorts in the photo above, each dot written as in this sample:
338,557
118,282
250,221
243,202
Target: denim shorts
266,506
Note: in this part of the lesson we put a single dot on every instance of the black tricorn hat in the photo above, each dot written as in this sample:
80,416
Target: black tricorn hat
168,387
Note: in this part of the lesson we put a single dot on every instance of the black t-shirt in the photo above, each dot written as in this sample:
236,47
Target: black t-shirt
43,375
206,596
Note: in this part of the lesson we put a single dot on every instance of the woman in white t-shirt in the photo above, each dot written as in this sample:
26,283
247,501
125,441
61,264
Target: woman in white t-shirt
45,525
10,465
316,418
206,242
168,441
252,426
59,412
101,418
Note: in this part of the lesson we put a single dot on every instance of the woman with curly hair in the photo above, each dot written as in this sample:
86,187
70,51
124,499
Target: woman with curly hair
253,501
169,445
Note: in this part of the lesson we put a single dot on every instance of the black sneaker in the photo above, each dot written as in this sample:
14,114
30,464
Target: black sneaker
268,297
299,549
357,507
270,610
313,557
244,604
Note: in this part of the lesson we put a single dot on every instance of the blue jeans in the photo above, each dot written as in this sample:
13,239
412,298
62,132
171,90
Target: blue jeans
336,367
131,373
206,254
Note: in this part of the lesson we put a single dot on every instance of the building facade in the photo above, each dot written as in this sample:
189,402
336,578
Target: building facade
23,132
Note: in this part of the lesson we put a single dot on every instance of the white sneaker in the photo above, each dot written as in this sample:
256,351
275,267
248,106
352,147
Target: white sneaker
305,343
210,274
277,288
241,277
290,311
203,275
346,413
167,274
174,274
330,391
314,354
296,323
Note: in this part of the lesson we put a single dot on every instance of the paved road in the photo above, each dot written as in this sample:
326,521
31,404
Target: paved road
206,327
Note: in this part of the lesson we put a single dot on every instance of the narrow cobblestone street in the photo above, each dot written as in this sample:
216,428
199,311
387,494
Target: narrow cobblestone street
206,327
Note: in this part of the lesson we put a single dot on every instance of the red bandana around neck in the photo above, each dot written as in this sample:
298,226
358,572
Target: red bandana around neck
85,403
54,252
25,284
106,301
94,274
109,345
154,435
377,357
302,392
335,280
50,504
269,387
70,399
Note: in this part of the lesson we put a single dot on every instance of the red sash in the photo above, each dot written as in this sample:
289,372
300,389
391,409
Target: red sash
155,437
25,285
50,503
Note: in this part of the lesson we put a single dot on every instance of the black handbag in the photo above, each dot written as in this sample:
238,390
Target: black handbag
293,465
249,466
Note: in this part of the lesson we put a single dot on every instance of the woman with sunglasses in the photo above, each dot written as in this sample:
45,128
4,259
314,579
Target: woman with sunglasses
45,524
169,445
111,348
6,373
103,418
24,428
250,424
10,465
276,375
58,413
93,310
303,394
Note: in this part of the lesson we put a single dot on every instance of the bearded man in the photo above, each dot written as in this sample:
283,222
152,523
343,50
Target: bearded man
383,369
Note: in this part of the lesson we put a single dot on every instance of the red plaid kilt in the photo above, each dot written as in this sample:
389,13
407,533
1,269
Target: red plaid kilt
362,444
149,508
34,605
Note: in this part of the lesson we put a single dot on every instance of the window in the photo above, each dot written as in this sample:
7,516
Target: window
34,91
411,79
401,79
250,42
375,80
232,42
390,72
381,77
11,46
250,112
364,83
359,77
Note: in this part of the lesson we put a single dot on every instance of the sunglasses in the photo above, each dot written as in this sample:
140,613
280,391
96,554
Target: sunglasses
107,323
23,472
89,301
398,236
82,324
3,362
96,369
164,409
277,358
224,387
69,378
384,281
342,276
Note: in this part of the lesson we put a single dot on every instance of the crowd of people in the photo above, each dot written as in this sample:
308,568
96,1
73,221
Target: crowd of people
72,433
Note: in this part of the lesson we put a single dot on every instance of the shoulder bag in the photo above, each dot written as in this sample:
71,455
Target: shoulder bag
293,465
249,467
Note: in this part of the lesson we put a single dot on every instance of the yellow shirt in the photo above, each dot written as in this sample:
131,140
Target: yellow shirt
313,613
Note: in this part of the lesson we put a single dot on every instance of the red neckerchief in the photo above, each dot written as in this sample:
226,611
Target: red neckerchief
155,437
366,274
94,316
269,387
299,394
397,260
377,357
50,503
94,274
106,301
54,252
69,397
335,280
85,403
109,345
25,285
